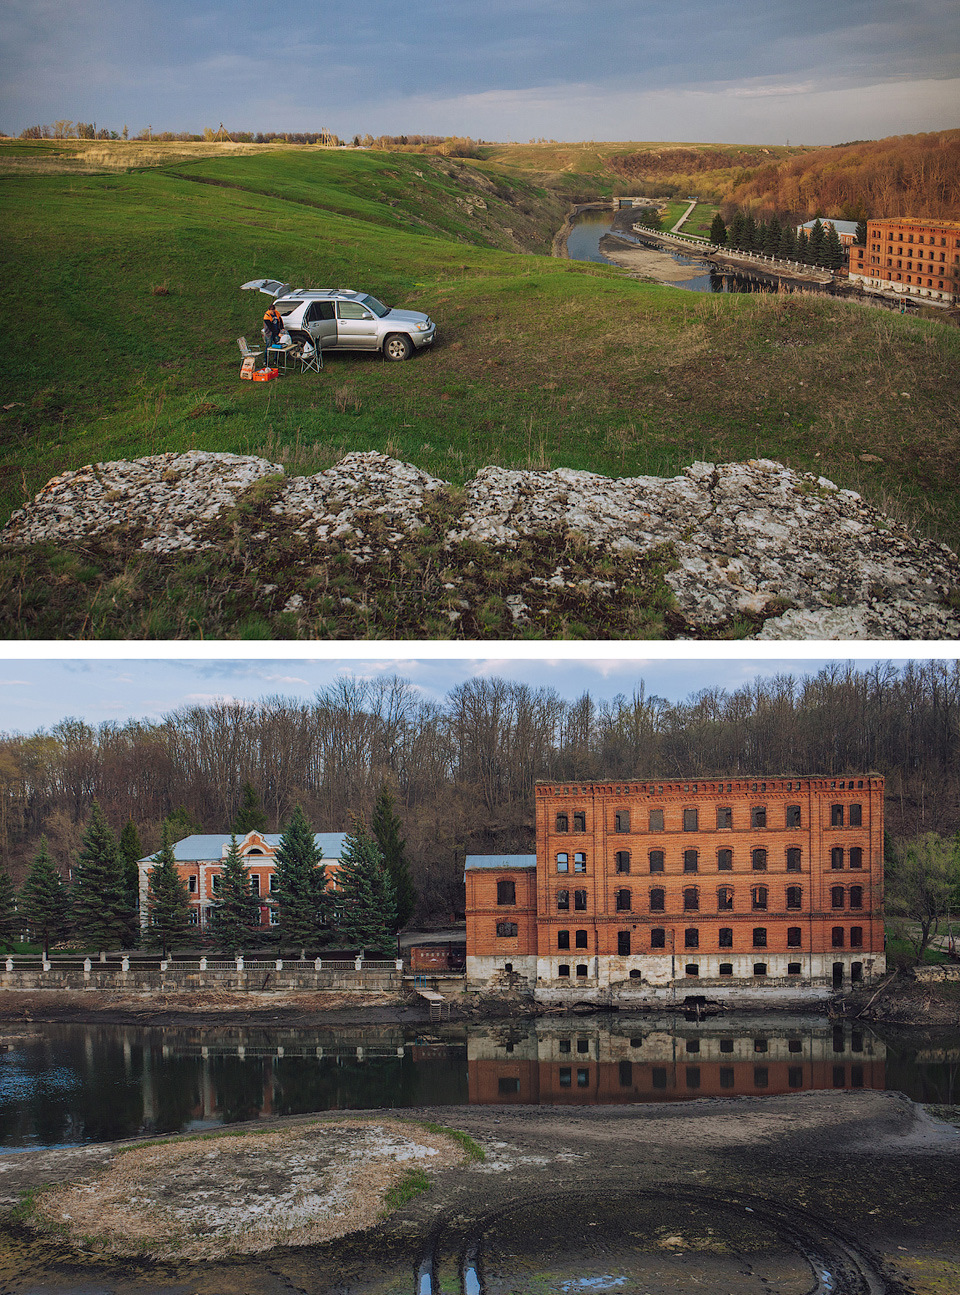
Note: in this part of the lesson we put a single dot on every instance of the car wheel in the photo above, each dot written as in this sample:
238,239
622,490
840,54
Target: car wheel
397,347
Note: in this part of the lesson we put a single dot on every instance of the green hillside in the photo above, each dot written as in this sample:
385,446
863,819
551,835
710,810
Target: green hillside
122,293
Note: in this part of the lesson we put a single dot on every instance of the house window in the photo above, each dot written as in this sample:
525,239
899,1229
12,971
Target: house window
759,968
836,897
623,943
691,900
506,928
579,820
656,861
580,862
856,897
836,858
793,816
656,820
563,970
580,940
580,901
725,860
690,860
255,885
836,937
273,882
506,892
562,823
690,818
274,917
856,857
726,968
724,816
856,937
759,937
726,937
758,816
581,970
623,901
215,882
794,897
691,938
193,917
192,884
759,860
622,820
563,901
836,816
623,860
856,816
563,939
793,859
793,937
563,863
759,897
658,938
725,899
657,897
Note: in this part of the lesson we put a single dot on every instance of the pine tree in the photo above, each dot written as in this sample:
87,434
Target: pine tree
9,921
168,903
44,902
788,243
817,241
236,912
749,242
250,815
300,883
365,894
718,231
101,914
131,851
386,827
771,241
861,235
832,249
735,230
803,247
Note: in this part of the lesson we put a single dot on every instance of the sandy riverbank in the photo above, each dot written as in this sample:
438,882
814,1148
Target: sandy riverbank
713,1195
648,262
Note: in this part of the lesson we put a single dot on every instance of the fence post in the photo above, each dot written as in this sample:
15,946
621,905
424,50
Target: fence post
317,964
279,964
44,965
358,964
399,964
239,962
203,964
124,963
87,966
9,964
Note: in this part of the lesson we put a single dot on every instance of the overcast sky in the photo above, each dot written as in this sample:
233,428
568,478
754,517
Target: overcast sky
811,71
127,684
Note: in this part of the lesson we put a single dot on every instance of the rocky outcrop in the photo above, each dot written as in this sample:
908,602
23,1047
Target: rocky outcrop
752,539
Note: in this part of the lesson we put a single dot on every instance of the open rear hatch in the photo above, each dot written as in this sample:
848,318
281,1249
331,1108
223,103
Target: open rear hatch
272,287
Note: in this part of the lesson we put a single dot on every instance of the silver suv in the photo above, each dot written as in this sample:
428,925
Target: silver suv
343,320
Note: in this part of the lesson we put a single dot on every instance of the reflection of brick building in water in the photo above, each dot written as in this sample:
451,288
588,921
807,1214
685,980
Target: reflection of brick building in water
650,891
571,1065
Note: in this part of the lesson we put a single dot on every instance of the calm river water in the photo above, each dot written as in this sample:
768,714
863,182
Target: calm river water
583,244
63,1085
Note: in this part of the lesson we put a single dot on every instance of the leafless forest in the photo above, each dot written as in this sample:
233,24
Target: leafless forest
463,771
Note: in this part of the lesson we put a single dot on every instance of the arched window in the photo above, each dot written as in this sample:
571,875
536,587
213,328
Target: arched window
580,939
759,897
658,938
623,901
563,862
562,824
657,897
690,861
759,937
563,901
794,897
856,897
836,858
691,899
758,816
856,857
836,897
759,860
793,859
691,938
725,860
836,816
623,860
793,937
726,937
506,892
836,937
622,820
656,861
690,820
725,899
793,816
580,900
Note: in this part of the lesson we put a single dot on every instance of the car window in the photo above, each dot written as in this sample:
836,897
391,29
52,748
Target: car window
378,308
285,308
319,310
352,310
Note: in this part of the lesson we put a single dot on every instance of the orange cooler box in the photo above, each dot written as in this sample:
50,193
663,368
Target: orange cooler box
265,375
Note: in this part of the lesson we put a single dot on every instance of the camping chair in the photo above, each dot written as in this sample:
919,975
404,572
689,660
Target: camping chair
311,356
245,349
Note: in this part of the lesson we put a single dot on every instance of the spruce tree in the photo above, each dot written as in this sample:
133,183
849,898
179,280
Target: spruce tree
749,242
44,902
803,247
9,921
131,851
236,912
718,231
788,243
818,238
299,884
365,894
771,242
101,913
735,231
250,815
861,234
168,903
183,823
832,249
386,827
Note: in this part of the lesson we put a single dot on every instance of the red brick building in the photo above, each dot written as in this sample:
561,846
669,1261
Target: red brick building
644,888
917,257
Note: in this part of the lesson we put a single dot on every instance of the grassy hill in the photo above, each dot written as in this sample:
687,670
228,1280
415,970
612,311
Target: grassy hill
122,292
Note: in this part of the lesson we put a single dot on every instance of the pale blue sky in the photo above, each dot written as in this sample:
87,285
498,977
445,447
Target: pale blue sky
37,693
712,70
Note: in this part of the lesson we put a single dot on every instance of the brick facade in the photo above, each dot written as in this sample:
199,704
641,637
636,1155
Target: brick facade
707,883
916,257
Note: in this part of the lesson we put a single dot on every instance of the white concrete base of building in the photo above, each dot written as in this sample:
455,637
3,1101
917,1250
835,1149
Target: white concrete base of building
886,286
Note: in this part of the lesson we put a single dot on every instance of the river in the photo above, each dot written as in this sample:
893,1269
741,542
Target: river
68,1084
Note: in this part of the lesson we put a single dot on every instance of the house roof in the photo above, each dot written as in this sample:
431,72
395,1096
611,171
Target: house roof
841,226
210,848
500,861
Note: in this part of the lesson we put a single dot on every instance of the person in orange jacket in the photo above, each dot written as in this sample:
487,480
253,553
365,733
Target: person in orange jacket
272,326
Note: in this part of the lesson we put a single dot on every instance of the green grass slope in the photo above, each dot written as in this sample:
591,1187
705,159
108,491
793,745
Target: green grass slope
122,293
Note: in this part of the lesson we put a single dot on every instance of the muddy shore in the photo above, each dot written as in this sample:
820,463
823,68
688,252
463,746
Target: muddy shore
714,1195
